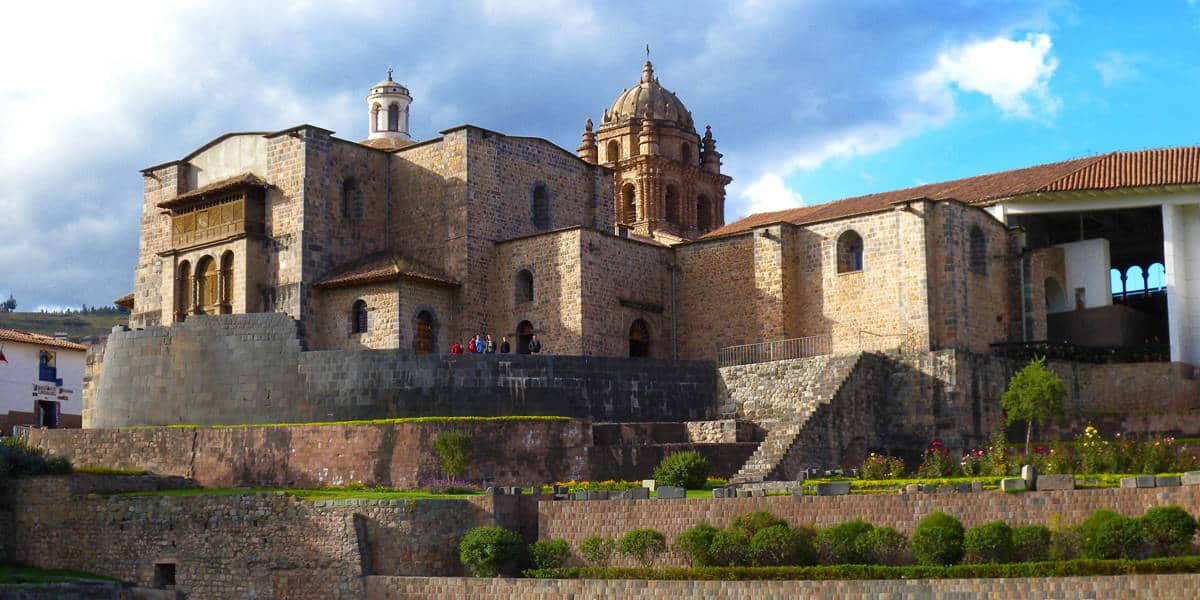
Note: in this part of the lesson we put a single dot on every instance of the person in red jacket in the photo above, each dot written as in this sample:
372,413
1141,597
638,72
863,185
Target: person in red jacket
456,348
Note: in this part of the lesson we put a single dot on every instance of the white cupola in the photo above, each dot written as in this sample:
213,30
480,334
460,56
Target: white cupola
387,106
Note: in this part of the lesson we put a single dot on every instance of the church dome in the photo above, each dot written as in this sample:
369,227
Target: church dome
648,95
388,87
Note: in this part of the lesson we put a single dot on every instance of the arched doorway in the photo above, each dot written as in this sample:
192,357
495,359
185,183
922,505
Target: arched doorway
628,208
424,334
524,335
206,286
639,339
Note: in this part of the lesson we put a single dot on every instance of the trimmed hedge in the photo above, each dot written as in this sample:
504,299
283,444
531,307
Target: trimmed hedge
1073,568
989,543
643,545
490,551
687,470
938,540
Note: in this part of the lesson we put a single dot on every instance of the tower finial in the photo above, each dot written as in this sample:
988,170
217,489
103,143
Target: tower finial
389,73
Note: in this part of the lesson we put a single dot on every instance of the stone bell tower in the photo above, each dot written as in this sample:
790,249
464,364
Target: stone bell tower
387,104
668,181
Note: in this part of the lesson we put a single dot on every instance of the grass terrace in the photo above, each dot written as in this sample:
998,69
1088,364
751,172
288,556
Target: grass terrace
20,574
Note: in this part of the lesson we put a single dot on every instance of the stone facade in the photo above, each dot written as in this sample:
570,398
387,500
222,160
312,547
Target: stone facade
1064,588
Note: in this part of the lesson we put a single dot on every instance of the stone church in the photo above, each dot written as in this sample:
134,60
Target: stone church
622,249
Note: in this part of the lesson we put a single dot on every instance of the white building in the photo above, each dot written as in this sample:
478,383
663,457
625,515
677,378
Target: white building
41,380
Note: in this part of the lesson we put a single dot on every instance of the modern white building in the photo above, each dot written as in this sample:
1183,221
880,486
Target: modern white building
41,380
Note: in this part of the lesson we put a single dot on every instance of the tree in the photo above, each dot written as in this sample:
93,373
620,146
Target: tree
11,303
1034,394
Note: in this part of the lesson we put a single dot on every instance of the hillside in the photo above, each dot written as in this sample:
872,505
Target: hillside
76,326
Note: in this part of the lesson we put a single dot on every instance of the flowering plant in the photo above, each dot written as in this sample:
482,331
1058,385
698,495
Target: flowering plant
881,466
937,462
972,462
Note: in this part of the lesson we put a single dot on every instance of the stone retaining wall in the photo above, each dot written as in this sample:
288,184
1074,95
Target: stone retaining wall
576,520
1060,588
250,368
518,452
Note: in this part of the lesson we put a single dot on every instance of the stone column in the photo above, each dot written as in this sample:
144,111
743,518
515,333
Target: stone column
1181,251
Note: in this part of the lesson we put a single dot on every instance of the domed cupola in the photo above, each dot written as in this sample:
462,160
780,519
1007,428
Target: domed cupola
387,104
649,96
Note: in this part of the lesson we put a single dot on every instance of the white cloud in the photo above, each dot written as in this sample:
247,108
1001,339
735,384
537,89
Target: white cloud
768,193
1117,67
1015,74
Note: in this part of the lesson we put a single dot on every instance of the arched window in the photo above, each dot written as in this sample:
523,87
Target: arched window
226,282
849,252
183,291
524,335
423,341
524,286
358,317
352,208
541,206
685,153
1135,280
393,117
1056,298
978,245
375,118
1115,282
628,208
614,151
1156,276
703,213
672,204
639,339
206,286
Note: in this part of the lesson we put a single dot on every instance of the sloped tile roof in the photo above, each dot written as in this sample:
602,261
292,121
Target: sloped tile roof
1141,168
384,266
221,185
125,301
27,337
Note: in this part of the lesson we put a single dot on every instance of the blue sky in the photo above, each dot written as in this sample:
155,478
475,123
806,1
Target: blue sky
809,101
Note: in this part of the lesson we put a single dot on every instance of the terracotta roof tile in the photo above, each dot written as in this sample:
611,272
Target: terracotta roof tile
384,266
221,185
1141,168
27,337
125,301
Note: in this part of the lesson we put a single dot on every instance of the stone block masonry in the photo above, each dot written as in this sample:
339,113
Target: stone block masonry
236,369
573,521
1062,588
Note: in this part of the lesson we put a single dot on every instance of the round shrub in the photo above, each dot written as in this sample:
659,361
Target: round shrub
780,545
1107,535
885,546
1169,530
549,554
694,543
687,470
490,551
753,522
597,550
938,540
989,543
730,548
1031,543
643,545
839,545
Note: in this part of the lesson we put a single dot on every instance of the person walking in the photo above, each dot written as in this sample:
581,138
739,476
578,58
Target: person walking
535,346
489,346
505,348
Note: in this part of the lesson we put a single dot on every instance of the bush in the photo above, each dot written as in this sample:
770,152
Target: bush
989,543
885,546
997,459
454,452
490,551
549,554
695,544
839,544
18,459
937,462
938,540
597,550
1106,535
730,548
881,466
752,522
1031,543
780,545
687,470
643,545
1169,530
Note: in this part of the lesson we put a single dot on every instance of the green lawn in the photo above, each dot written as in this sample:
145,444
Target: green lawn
10,573
76,326
305,494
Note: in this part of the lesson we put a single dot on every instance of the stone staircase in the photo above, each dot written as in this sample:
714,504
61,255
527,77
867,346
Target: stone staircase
818,382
